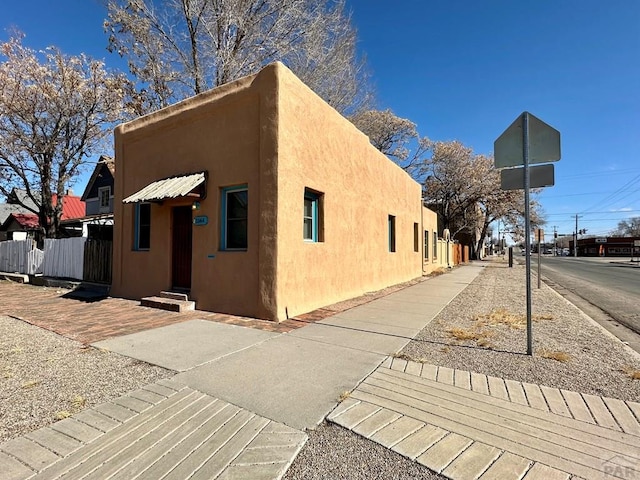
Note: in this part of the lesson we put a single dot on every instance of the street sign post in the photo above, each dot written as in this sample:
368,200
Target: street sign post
527,140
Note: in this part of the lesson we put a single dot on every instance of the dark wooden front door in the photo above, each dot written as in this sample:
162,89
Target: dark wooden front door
181,250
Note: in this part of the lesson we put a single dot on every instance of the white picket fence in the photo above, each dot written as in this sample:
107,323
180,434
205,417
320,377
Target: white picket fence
63,258
20,256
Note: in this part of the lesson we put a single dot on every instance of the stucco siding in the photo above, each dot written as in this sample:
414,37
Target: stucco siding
217,132
360,187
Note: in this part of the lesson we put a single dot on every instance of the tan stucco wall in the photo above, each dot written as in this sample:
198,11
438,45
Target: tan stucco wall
430,224
271,132
225,132
321,150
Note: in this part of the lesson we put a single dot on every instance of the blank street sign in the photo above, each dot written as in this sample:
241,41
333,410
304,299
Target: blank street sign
544,144
539,176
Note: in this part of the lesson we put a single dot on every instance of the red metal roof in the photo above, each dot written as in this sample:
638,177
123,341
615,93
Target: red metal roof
26,220
73,207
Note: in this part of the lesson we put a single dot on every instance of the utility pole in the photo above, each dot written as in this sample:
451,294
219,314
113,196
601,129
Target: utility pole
575,238
555,241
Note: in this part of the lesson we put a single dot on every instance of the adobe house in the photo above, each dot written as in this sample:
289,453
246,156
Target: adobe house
259,199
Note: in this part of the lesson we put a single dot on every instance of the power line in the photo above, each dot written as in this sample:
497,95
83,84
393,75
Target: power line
612,196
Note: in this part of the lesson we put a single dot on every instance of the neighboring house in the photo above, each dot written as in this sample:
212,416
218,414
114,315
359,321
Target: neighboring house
20,226
259,199
97,221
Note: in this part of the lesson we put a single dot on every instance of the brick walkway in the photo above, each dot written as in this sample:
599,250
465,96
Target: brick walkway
467,425
89,322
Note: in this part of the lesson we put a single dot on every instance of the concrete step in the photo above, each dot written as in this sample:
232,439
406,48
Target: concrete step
168,304
174,296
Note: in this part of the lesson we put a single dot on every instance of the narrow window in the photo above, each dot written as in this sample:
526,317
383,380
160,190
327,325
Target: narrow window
426,244
416,238
435,246
104,194
312,230
142,227
392,233
235,203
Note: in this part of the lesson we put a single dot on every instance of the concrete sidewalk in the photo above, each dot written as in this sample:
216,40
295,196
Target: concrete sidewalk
294,378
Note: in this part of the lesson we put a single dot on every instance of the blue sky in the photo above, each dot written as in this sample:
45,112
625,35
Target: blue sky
465,69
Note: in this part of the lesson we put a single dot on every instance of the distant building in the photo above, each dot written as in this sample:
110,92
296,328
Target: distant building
606,247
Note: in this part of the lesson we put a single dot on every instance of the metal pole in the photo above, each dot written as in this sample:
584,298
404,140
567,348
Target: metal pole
539,247
527,226
575,241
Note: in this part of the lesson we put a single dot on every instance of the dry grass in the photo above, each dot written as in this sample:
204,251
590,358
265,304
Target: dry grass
631,372
557,356
502,316
343,396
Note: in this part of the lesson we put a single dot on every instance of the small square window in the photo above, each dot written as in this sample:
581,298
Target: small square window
235,211
142,226
416,237
312,230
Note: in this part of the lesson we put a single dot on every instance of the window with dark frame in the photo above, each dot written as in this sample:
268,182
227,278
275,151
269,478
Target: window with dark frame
104,194
235,209
426,244
435,246
416,237
392,233
142,227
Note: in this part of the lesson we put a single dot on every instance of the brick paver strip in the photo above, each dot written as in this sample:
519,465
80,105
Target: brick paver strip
445,375
600,411
262,471
208,409
623,415
497,388
387,362
555,400
209,449
375,422
115,411
445,451
356,414
413,368
159,389
30,453
346,404
472,462
516,392
397,431
96,420
512,435
113,436
57,442
429,371
542,472
416,443
78,430
12,469
119,454
534,396
195,440
462,379
479,383
147,396
398,364
507,466
133,403
635,408
577,407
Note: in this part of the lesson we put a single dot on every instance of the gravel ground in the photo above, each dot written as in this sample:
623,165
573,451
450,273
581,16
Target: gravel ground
334,453
588,360
45,377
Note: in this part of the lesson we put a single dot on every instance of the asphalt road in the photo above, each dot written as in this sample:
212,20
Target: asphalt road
613,285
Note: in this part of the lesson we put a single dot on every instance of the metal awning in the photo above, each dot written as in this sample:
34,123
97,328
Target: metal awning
172,187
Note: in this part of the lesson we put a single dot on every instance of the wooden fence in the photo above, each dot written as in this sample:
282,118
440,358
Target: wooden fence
64,257
20,256
97,261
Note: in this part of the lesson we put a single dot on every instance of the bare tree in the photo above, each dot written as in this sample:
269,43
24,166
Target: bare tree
179,48
55,111
464,189
396,137
627,228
